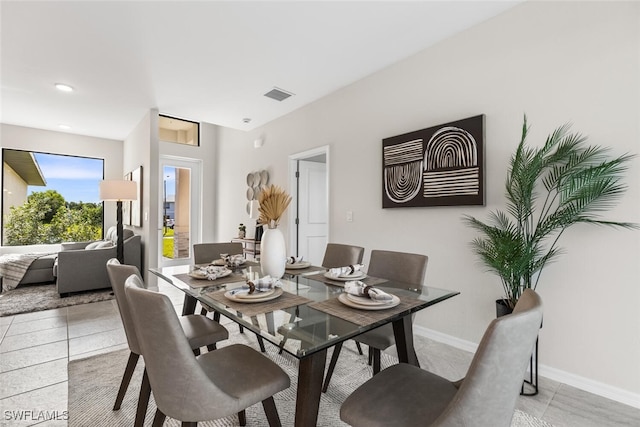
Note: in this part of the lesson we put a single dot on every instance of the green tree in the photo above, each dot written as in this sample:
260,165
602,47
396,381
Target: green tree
48,202
46,218
23,225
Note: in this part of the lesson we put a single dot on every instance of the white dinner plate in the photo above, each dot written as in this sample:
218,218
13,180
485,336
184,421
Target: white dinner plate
347,277
366,300
255,295
197,275
346,301
298,265
273,295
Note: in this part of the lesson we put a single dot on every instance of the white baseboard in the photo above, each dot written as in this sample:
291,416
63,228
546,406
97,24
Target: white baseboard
586,384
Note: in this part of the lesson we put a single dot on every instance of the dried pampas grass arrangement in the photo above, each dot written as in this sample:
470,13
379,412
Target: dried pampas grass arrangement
273,202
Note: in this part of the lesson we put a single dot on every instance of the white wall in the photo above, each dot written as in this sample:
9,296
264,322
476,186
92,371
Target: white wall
137,152
555,61
143,148
22,138
206,153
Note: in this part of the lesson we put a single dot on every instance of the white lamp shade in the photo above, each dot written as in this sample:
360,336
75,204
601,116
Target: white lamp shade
118,190
254,213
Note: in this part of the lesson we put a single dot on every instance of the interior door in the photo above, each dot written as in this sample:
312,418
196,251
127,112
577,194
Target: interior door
312,210
179,211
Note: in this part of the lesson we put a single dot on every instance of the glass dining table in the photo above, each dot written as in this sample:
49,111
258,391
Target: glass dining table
306,316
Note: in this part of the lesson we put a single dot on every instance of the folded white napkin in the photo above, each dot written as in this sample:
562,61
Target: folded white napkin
343,271
234,260
360,289
262,284
294,259
211,272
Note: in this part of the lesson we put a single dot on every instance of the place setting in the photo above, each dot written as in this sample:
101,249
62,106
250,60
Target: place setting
258,290
231,261
256,295
365,297
296,263
347,273
297,266
207,275
208,272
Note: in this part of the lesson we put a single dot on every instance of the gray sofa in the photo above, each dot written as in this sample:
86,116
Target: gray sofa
40,271
83,266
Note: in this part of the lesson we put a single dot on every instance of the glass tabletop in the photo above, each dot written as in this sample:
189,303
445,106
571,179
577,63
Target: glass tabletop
308,316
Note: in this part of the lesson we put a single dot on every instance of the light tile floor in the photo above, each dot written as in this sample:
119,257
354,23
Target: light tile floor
35,349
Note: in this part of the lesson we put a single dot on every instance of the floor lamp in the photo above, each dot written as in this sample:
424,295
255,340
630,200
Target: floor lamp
119,191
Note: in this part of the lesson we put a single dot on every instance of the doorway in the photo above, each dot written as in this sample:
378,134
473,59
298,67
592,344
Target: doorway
309,226
179,210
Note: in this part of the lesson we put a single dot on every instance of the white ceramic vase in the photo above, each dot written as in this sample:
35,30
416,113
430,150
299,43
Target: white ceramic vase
273,253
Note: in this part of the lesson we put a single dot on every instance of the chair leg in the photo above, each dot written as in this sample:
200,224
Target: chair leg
242,417
282,344
271,412
261,343
204,311
158,419
196,351
370,355
332,365
359,347
216,316
211,347
126,378
376,359
189,424
143,400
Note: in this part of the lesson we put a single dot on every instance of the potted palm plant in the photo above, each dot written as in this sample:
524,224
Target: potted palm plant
548,189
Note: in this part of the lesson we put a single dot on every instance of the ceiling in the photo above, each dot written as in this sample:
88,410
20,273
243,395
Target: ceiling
205,61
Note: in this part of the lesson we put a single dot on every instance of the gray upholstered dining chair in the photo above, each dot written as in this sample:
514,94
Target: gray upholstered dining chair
339,255
197,388
486,397
402,267
200,331
204,253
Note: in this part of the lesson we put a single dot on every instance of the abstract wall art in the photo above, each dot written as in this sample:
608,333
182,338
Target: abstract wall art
438,166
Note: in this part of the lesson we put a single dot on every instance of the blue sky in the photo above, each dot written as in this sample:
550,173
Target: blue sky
76,178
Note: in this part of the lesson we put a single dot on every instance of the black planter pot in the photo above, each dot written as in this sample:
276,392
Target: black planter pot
503,308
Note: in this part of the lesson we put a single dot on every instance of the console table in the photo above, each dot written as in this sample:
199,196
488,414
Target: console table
250,247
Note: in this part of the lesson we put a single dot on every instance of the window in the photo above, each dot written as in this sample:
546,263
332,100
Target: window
50,198
179,131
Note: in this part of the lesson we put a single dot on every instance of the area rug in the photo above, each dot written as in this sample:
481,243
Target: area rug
94,382
44,297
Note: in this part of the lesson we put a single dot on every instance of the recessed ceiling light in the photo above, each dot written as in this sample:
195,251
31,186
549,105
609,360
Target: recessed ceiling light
246,120
64,127
63,87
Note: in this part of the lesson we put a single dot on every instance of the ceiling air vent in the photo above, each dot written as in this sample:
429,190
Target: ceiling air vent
278,94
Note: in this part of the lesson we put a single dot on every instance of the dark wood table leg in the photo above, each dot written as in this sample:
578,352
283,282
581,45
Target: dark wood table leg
310,376
189,306
403,333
